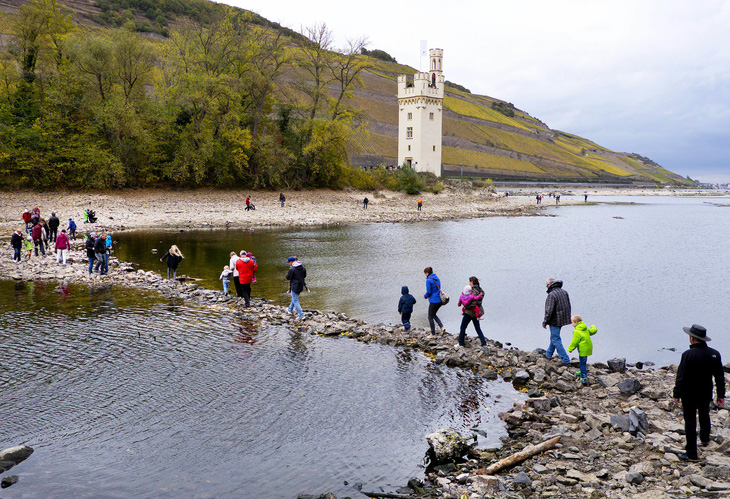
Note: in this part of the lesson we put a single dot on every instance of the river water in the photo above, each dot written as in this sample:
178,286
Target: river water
639,268
124,394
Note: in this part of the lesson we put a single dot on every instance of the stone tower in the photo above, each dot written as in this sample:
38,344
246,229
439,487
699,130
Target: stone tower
420,108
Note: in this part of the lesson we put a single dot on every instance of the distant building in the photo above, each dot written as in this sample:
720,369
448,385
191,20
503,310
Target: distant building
420,117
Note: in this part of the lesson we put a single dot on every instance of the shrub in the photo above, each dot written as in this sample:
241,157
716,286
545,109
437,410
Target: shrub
506,109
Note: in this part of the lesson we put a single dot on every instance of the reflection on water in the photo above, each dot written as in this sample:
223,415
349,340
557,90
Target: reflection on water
639,278
123,394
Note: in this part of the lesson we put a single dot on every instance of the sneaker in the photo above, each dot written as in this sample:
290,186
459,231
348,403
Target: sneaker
457,346
584,381
685,457
443,330
577,373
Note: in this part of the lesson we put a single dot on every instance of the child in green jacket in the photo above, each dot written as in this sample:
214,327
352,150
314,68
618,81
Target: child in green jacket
582,341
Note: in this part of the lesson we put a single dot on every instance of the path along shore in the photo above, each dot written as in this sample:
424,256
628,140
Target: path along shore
620,435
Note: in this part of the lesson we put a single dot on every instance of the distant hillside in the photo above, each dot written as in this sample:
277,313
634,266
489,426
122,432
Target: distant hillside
484,136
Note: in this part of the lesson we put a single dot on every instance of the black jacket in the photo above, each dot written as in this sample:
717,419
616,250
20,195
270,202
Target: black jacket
557,306
100,245
296,276
53,222
476,291
172,260
698,366
406,302
90,248
16,240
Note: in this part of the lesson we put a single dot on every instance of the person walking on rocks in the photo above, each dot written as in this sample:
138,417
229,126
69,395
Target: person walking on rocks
16,242
90,251
557,315
108,243
37,234
100,253
248,203
582,341
234,269
174,257
225,278
433,295
53,223
405,307
282,198
28,247
420,204
296,275
472,309
62,246
26,220
693,386
71,229
246,268
365,203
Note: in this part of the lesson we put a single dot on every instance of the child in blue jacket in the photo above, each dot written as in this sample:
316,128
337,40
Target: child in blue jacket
405,307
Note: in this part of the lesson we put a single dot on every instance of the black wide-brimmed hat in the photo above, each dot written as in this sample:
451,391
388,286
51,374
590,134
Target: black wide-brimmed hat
698,332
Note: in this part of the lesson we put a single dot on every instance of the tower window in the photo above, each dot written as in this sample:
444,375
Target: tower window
409,148
434,148
430,116
409,132
410,116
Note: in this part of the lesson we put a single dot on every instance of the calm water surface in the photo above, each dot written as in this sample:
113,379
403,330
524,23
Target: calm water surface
640,278
123,394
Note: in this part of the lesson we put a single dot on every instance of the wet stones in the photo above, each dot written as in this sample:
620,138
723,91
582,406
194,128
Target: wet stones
617,365
447,445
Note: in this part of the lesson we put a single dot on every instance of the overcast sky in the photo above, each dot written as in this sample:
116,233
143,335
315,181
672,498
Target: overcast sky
644,76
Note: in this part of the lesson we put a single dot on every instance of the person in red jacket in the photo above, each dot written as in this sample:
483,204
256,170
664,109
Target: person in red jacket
246,266
62,247
37,234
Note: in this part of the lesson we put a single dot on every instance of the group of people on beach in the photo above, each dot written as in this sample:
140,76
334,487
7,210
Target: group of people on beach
39,233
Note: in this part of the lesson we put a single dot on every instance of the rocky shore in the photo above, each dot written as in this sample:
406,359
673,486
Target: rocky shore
619,436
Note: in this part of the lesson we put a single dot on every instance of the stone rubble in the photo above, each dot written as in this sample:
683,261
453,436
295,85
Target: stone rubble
620,435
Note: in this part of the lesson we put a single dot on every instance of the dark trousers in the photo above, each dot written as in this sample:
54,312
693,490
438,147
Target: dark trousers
432,309
52,233
691,409
465,320
72,234
246,288
16,254
405,318
38,243
237,284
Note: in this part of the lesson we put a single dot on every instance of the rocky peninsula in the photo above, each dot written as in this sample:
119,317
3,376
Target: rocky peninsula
618,437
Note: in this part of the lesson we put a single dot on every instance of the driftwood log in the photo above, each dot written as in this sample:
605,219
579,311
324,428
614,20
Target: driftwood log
520,456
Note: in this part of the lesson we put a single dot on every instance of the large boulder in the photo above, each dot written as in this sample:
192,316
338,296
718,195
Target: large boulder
447,446
617,365
629,386
14,455
639,423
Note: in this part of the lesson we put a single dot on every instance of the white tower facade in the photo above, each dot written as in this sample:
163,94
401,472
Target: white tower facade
420,117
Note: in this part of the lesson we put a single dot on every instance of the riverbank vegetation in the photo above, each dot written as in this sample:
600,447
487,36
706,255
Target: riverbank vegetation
189,93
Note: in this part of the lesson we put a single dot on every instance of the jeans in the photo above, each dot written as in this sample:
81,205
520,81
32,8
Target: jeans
294,305
556,344
61,255
39,243
465,320
16,254
691,408
72,234
99,265
225,286
405,318
106,263
91,264
174,273
583,367
432,309
246,288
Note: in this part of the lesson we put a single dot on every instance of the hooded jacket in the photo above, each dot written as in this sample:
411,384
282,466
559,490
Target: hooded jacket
37,232
557,306
246,267
296,276
90,247
433,286
406,302
62,242
582,339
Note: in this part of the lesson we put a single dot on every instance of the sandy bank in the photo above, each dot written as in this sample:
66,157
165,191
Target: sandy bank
146,209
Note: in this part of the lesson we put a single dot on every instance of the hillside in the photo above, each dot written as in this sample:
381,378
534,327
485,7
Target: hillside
486,136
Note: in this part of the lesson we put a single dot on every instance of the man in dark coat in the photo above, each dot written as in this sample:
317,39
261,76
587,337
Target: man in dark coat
557,315
296,276
16,241
99,252
53,224
693,386
90,251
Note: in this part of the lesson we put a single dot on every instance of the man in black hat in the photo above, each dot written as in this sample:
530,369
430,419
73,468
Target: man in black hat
698,366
